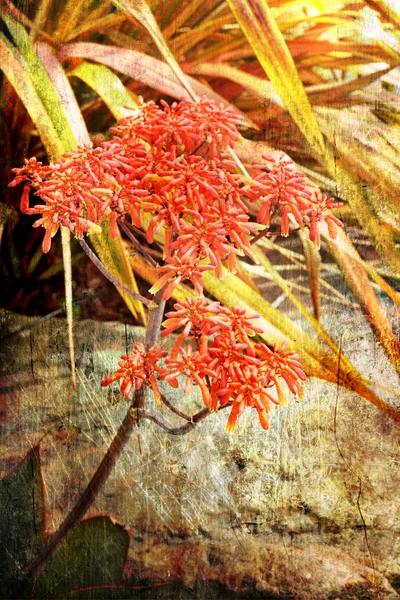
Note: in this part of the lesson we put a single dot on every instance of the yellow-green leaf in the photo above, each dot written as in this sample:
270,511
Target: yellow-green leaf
108,86
35,71
26,91
263,35
64,92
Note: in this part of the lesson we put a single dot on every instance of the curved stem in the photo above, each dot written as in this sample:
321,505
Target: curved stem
175,410
161,422
121,438
164,424
111,277
125,228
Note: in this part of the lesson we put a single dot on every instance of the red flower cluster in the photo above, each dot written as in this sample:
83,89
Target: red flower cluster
284,192
172,163
137,369
214,352
220,358
150,166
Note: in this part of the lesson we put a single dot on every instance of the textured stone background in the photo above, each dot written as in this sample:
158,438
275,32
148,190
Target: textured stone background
265,514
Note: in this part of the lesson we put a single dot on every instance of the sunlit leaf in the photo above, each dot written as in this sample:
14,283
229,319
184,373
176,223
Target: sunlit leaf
26,91
352,267
262,32
328,93
64,92
262,88
108,86
35,71
365,201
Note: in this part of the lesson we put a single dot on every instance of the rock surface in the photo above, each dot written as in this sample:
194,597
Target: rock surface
307,510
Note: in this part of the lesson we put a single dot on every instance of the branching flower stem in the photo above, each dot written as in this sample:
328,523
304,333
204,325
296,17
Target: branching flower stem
175,410
125,228
164,424
111,277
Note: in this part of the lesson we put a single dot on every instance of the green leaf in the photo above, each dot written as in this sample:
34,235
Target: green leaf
93,555
16,75
64,92
35,71
22,518
108,86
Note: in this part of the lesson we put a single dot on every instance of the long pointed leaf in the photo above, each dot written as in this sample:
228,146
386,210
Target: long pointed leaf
351,265
26,91
263,35
112,254
362,200
262,88
64,92
141,67
140,11
40,79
